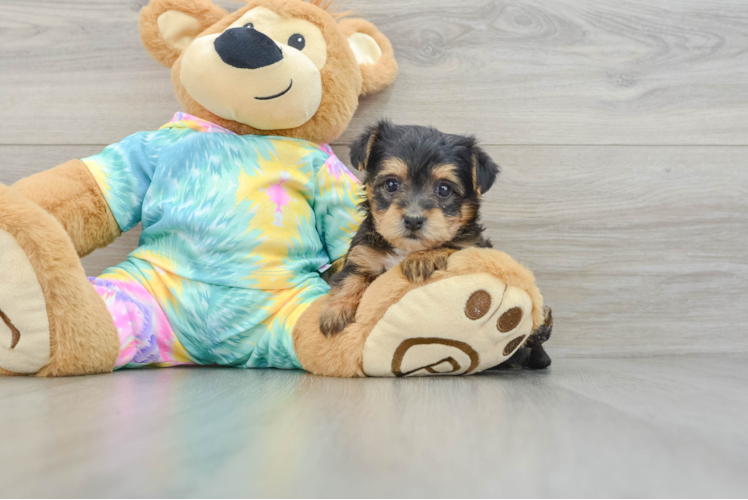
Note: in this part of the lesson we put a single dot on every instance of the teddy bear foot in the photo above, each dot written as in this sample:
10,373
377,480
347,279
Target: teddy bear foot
468,318
480,322
24,327
52,321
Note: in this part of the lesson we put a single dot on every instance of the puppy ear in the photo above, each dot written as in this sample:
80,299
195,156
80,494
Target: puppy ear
168,27
485,171
361,148
373,53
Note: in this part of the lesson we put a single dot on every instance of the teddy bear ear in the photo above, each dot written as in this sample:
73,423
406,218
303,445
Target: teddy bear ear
373,52
168,27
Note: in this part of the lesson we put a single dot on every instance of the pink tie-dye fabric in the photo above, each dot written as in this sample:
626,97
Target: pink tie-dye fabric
145,335
184,120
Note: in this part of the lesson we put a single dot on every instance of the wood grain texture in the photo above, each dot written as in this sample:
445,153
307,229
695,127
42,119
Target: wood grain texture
639,250
621,428
519,72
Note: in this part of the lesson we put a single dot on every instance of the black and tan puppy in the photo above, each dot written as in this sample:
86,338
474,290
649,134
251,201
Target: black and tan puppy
423,191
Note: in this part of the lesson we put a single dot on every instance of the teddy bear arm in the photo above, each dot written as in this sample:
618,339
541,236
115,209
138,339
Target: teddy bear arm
71,195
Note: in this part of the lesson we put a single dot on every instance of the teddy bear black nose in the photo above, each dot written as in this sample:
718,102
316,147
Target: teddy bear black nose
247,48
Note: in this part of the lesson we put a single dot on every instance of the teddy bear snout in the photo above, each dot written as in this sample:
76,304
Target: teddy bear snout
247,48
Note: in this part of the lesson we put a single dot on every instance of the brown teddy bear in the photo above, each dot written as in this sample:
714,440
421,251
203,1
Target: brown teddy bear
243,207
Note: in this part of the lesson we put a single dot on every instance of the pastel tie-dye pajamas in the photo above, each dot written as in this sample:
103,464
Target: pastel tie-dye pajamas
236,231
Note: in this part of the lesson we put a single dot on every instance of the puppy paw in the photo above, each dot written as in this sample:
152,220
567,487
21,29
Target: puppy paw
336,316
419,266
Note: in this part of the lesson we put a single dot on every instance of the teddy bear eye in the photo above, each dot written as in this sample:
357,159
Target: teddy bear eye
249,25
297,41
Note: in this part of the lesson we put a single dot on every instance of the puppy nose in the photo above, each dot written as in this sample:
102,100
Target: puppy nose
413,223
247,48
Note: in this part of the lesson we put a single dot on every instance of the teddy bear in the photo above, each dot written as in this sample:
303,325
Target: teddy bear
243,207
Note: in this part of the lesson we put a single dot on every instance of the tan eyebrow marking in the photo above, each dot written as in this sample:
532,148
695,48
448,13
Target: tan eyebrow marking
393,166
447,172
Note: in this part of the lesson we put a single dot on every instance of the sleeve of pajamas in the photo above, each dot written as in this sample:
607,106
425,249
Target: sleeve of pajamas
124,171
337,197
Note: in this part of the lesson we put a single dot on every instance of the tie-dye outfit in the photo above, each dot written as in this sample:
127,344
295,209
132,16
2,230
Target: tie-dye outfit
236,230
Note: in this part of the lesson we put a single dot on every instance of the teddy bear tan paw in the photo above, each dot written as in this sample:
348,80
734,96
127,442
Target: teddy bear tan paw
479,322
53,323
24,326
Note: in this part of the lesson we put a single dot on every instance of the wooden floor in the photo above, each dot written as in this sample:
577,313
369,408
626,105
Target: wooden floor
622,130
648,427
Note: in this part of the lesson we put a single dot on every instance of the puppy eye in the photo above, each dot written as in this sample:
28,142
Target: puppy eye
297,41
249,25
444,190
391,185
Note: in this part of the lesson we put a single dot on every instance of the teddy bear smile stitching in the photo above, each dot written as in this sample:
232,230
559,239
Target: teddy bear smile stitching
276,95
13,330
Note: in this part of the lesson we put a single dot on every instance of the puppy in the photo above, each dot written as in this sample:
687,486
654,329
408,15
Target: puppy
423,190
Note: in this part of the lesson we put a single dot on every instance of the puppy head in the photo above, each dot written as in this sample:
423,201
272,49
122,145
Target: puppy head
422,185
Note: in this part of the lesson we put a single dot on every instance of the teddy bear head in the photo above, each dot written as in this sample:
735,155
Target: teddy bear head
274,67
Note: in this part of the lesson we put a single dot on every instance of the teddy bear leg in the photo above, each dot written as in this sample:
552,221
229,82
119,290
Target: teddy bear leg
458,325
469,318
341,355
52,321
335,356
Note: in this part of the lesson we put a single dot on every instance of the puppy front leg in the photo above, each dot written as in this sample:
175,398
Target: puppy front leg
340,308
419,266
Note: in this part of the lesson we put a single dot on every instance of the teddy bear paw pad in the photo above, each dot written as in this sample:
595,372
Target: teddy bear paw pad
24,326
455,326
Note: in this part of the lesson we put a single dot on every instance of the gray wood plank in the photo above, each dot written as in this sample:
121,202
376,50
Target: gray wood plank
637,249
640,250
585,428
521,72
